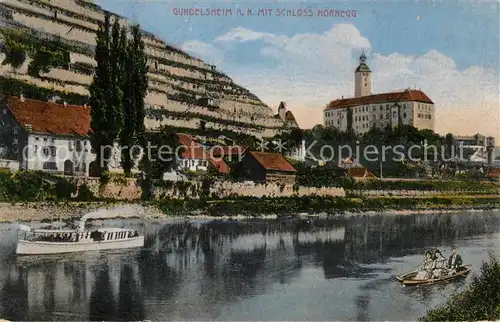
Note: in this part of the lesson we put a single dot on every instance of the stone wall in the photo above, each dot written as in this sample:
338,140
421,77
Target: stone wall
251,189
417,193
129,189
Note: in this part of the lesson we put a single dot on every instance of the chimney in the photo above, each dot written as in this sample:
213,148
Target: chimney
29,127
21,97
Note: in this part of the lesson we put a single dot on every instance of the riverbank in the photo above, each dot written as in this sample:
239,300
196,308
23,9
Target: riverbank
244,208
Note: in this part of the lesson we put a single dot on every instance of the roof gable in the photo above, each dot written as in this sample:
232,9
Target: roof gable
272,161
404,96
49,117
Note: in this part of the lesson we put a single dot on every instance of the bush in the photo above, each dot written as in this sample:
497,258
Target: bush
64,189
84,194
480,302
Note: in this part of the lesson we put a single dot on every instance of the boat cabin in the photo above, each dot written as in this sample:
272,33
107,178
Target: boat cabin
67,236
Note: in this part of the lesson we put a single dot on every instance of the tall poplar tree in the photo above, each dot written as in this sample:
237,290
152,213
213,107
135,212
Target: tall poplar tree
99,93
134,91
105,93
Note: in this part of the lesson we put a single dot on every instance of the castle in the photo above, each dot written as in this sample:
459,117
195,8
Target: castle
366,110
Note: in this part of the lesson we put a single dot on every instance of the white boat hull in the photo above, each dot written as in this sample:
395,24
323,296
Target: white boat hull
25,247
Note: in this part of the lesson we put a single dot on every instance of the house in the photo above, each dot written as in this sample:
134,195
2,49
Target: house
360,173
268,167
48,136
52,137
193,157
286,115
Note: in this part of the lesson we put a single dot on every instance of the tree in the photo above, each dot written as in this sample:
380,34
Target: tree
135,87
105,94
15,52
481,301
155,165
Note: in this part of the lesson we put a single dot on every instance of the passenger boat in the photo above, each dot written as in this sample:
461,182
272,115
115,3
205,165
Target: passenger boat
47,241
408,279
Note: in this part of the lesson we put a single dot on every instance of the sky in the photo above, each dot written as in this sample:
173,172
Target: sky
291,52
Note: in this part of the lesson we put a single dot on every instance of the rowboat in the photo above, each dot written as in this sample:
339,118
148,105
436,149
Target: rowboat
408,278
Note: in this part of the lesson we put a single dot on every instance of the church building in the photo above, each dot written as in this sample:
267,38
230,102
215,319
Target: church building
367,110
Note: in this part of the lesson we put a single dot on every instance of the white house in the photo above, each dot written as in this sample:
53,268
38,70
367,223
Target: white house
52,137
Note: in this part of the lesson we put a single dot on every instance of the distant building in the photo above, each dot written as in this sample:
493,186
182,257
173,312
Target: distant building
286,116
268,167
360,173
195,158
475,140
494,175
48,136
366,110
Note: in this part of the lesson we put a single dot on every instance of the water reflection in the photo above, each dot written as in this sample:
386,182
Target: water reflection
231,270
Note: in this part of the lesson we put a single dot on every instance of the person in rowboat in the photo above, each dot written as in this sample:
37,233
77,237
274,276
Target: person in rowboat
441,264
454,261
425,270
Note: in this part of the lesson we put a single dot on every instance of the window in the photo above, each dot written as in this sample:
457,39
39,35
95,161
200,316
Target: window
78,146
45,151
49,166
53,150
381,116
404,115
36,149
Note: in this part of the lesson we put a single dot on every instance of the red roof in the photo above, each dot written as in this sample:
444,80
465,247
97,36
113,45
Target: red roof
494,174
193,150
49,117
289,116
404,96
359,172
272,161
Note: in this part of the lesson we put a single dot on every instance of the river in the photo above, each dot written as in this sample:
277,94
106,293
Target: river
322,269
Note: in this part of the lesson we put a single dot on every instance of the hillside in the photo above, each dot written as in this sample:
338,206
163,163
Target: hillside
184,91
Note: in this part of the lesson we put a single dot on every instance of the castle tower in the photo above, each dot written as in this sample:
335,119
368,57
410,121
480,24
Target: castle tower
362,78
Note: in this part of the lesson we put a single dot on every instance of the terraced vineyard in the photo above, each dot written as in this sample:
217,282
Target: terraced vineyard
184,91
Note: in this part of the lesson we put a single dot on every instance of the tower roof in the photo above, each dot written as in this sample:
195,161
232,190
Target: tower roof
363,67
